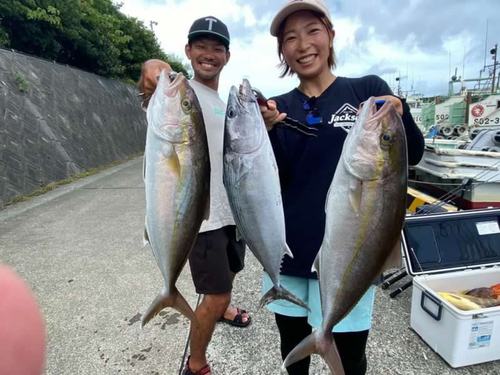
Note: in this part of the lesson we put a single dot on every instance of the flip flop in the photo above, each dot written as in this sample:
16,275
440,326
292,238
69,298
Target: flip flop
238,319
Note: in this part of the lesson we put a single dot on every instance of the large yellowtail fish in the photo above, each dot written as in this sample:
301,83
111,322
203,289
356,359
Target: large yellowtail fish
252,183
177,178
365,210
466,302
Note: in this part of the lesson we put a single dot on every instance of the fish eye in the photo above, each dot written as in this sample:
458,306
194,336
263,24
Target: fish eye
386,137
186,104
231,113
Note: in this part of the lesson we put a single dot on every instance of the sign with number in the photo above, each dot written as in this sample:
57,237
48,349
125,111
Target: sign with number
487,121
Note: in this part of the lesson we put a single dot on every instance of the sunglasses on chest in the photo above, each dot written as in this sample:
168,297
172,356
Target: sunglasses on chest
290,123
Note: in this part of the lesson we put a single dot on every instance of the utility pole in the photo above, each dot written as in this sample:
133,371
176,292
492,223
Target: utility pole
494,52
151,23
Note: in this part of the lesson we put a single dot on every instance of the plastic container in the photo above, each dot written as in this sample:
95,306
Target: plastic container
451,252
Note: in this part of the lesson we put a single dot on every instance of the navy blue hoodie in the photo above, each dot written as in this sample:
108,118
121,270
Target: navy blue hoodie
307,164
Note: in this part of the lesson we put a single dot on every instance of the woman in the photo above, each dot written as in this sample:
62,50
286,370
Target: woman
305,46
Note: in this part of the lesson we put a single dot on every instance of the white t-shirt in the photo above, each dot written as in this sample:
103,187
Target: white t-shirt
214,114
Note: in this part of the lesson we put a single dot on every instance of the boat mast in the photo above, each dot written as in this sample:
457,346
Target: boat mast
494,52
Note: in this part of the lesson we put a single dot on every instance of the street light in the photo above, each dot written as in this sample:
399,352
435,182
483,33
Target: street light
151,23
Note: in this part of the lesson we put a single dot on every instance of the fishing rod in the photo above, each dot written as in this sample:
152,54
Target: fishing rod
466,186
187,341
479,175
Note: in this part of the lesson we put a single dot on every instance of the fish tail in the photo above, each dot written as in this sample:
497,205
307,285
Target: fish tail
319,343
281,293
172,299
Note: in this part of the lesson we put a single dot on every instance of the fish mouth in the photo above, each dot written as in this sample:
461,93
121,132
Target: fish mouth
375,116
172,82
235,97
246,93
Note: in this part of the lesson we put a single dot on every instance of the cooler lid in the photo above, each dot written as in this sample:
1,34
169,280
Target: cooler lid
449,241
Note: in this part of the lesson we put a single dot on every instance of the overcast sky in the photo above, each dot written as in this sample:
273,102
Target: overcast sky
413,39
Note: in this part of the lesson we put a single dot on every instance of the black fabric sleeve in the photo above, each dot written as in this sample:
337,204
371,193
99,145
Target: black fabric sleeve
414,137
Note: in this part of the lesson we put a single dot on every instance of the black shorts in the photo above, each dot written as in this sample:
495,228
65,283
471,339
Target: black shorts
215,255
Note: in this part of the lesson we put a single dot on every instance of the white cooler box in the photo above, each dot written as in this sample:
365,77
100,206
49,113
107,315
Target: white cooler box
449,252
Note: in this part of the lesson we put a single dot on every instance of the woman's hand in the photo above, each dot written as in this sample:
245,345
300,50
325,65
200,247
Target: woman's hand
396,102
271,115
150,74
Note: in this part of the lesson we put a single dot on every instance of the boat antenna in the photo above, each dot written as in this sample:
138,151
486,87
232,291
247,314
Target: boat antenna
463,68
486,43
494,52
449,64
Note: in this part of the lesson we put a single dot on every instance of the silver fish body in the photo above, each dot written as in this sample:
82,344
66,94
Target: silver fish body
252,183
365,212
177,177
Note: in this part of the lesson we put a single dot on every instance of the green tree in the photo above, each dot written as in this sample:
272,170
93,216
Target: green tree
89,34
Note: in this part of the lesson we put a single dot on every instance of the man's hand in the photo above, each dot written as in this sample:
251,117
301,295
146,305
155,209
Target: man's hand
150,74
271,115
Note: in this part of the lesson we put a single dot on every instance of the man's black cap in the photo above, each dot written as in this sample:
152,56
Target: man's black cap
209,26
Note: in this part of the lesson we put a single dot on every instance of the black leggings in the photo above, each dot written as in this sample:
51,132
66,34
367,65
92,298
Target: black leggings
351,345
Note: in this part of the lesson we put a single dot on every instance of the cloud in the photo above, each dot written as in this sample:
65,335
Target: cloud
421,41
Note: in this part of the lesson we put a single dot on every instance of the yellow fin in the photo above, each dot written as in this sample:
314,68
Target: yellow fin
174,163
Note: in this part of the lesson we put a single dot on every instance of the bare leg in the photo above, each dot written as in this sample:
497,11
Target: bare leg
231,312
208,313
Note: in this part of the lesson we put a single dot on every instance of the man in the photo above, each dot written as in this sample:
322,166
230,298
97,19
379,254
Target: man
217,256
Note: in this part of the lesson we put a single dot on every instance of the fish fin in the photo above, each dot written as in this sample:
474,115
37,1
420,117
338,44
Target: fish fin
173,299
173,162
238,235
274,294
315,266
145,238
144,168
206,216
394,258
355,192
327,198
318,343
288,251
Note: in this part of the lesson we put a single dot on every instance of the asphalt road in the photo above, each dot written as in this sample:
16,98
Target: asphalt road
80,250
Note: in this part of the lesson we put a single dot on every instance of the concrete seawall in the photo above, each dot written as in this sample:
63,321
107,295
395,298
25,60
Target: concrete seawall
56,121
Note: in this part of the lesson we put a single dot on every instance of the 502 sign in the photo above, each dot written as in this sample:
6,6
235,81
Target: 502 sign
442,117
487,121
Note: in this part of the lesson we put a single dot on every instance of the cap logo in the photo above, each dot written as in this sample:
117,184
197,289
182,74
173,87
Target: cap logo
210,22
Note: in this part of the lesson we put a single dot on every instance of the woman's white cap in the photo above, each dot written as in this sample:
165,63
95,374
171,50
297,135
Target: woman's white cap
293,6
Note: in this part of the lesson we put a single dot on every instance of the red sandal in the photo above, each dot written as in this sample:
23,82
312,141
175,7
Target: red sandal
187,371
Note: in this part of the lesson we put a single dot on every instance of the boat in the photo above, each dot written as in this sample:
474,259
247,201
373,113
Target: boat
469,179
461,161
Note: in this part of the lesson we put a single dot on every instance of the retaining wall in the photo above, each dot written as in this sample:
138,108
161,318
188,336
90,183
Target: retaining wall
65,121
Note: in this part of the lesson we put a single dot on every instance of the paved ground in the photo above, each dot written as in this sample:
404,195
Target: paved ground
80,250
